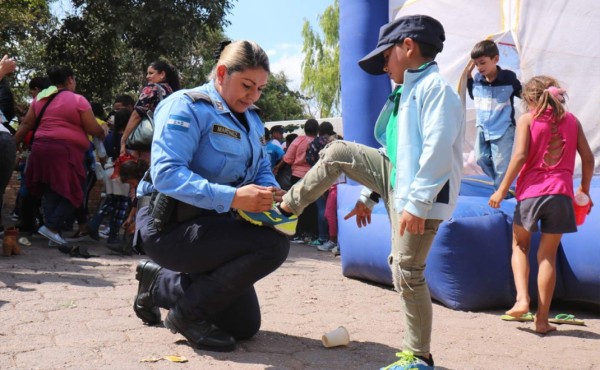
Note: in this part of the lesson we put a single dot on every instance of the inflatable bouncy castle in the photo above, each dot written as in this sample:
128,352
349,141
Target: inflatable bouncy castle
468,267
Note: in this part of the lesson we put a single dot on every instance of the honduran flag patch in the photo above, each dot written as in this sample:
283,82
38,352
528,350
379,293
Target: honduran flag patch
180,123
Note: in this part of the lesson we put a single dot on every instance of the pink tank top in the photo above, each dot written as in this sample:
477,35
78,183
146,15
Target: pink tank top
546,171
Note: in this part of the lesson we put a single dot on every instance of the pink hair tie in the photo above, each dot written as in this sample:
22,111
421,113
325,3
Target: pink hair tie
557,93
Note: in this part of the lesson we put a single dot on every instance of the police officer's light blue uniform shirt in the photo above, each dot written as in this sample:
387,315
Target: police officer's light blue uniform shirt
143,188
201,153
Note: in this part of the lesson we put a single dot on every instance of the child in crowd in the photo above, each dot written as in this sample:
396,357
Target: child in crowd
493,89
131,172
116,203
277,132
283,171
417,172
326,135
274,149
326,206
548,138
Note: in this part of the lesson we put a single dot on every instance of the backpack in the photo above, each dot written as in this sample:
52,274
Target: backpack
312,151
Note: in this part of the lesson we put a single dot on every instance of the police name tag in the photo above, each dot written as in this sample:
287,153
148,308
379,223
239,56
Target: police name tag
222,130
179,123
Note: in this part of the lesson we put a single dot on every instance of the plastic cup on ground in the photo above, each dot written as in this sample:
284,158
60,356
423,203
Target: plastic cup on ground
337,337
582,207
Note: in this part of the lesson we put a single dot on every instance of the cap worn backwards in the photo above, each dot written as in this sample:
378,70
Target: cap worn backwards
420,28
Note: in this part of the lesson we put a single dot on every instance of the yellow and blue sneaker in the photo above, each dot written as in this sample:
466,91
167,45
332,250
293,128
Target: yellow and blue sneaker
408,361
272,218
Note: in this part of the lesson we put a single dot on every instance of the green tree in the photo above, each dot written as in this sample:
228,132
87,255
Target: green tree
278,102
321,65
110,43
82,44
24,26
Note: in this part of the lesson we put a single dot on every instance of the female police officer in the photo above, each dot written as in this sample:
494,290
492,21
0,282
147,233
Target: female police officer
209,154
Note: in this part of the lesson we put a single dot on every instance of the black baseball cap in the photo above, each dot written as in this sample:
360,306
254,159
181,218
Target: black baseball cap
421,28
277,128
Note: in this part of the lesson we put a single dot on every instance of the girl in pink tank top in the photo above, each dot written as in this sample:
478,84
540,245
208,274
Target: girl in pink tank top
547,139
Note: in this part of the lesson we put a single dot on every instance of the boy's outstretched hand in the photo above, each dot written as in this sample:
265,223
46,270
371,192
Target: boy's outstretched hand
496,199
362,213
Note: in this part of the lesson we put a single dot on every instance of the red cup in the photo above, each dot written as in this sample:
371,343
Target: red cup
582,207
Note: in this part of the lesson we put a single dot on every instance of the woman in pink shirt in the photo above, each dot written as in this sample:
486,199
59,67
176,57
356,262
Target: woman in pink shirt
61,121
548,138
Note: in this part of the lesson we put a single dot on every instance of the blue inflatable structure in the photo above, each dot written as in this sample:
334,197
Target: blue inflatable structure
468,267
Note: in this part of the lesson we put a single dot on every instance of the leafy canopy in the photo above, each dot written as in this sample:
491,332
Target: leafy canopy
321,66
110,43
278,102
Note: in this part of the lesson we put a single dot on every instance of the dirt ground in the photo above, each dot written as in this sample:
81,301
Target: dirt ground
60,312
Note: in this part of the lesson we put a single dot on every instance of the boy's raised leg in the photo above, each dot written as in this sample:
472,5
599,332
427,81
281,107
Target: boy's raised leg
360,163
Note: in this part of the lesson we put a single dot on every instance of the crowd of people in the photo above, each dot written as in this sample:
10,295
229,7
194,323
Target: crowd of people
193,200
63,144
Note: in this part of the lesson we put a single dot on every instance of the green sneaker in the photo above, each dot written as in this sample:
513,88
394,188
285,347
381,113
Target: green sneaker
408,361
272,218
316,243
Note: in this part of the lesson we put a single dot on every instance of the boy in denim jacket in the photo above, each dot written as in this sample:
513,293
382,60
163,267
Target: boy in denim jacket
493,90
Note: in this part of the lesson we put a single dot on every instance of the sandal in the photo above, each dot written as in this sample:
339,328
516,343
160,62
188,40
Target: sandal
75,251
525,317
565,318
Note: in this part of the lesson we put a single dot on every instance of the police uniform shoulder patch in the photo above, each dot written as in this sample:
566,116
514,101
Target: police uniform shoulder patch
222,130
178,122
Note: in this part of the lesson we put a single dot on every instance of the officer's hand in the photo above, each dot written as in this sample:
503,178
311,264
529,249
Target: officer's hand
277,194
362,213
253,198
411,223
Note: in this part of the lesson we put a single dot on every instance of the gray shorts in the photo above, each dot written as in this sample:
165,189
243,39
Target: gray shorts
555,213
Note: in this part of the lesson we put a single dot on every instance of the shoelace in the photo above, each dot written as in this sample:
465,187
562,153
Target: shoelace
405,358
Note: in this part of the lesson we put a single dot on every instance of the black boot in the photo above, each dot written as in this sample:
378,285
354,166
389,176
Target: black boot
200,333
143,305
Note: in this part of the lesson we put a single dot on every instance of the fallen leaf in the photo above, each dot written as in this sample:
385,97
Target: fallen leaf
175,358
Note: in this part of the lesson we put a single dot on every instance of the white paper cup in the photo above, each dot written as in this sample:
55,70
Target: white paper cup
337,337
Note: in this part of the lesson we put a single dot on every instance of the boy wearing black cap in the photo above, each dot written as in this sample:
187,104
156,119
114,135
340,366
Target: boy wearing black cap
277,135
417,172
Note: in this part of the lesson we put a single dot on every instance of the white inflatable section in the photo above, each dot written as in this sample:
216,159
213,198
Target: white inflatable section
557,38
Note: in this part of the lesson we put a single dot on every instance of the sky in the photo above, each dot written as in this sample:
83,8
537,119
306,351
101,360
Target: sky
276,25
